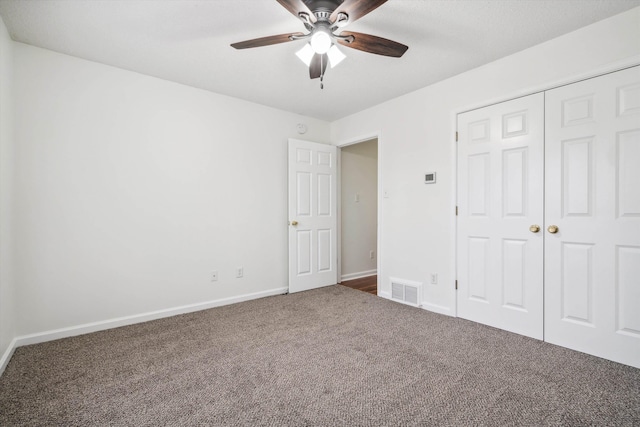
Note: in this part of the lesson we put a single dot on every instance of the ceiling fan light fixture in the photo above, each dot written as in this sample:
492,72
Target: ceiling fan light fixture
335,56
321,19
321,41
306,54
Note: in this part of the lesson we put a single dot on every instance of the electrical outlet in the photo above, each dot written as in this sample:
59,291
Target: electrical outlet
372,254
434,278
214,276
239,272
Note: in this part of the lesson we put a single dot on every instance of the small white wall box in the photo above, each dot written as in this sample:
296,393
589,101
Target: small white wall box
430,178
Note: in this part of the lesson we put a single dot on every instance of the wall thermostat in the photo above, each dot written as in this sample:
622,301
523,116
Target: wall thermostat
430,178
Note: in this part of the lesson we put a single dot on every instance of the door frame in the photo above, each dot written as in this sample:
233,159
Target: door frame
340,145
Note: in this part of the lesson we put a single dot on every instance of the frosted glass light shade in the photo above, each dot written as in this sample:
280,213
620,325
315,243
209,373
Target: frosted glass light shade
306,54
335,56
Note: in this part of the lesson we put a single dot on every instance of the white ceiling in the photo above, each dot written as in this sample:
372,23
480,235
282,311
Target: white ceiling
187,41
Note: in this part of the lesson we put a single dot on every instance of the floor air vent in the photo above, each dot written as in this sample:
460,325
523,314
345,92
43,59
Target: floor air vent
406,292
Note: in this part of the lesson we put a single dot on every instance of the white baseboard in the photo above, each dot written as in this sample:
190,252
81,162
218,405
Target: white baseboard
358,275
136,318
441,309
4,361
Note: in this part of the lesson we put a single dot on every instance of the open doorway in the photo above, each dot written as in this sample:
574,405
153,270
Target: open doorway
359,215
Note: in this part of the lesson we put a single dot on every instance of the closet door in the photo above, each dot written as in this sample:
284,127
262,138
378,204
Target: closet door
592,217
500,213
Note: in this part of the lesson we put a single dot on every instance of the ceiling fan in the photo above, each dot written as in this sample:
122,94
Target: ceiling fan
322,18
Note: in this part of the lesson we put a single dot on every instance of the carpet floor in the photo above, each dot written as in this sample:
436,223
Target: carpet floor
328,357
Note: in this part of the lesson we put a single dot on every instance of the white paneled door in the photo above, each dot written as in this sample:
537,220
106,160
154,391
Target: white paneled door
592,240
582,229
312,215
500,214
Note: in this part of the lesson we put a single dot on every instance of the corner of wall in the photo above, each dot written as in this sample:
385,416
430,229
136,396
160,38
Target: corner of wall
7,285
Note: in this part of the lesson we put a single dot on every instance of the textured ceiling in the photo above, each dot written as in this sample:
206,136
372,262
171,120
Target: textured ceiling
188,42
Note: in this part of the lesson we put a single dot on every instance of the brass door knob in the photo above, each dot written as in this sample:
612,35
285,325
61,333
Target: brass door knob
553,229
294,223
534,228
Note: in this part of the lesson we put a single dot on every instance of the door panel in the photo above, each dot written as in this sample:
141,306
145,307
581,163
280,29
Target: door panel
628,156
500,195
513,285
577,177
592,157
514,163
312,215
628,291
577,283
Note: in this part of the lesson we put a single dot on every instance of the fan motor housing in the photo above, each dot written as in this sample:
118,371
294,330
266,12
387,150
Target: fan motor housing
322,7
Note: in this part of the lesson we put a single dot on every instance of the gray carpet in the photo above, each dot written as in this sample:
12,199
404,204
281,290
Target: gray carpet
328,357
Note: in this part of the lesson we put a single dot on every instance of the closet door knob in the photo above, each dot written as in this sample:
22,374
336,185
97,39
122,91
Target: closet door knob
534,228
294,223
553,229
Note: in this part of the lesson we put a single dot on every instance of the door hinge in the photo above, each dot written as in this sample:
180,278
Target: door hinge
456,285
456,136
456,211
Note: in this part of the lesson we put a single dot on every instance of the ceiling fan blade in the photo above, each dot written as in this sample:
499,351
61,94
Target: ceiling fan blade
356,9
318,65
373,44
297,6
265,41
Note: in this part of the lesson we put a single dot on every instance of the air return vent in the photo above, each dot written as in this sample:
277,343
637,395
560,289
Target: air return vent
406,292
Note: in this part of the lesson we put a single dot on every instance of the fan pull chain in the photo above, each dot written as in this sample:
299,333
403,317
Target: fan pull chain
321,72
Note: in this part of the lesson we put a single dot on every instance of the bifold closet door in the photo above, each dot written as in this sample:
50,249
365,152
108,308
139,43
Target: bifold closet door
592,235
500,214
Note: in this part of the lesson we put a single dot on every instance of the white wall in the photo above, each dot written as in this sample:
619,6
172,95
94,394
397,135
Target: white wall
7,302
359,176
131,190
416,134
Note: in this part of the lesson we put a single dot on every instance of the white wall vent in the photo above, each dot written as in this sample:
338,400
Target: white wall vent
406,291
